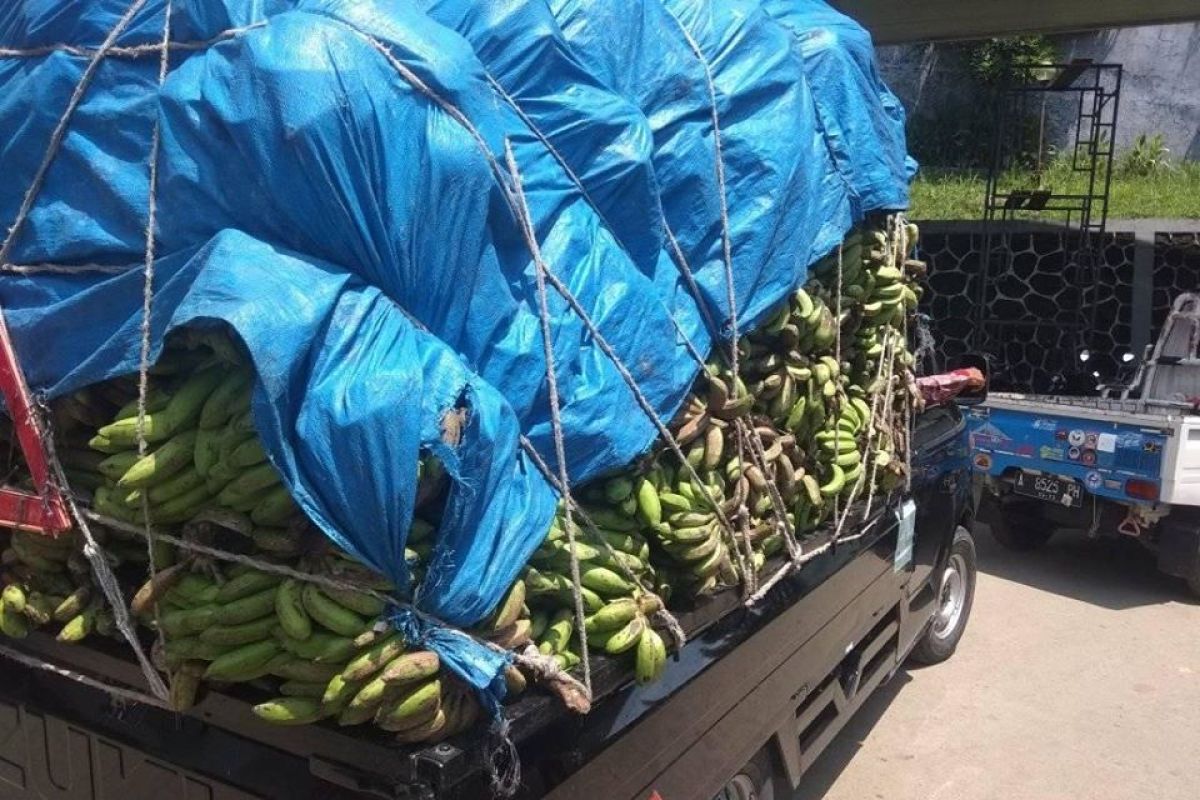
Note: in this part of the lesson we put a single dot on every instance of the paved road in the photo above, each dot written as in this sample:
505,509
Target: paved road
1078,679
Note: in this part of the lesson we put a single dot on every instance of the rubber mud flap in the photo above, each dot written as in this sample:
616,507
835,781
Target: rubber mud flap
45,758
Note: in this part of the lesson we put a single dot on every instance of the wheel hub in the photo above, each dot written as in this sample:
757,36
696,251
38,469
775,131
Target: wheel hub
740,787
952,597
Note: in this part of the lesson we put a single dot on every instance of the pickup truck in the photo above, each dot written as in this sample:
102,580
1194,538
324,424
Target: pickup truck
1126,463
743,710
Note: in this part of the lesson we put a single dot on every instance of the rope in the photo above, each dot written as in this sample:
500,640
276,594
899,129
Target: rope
60,128
684,269
133,51
550,148
102,571
638,396
745,555
898,222
837,355
788,567
546,670
662,615
726,244
555,410
880,404
727,263
445,105
679,258
147,305
256,563
773,491
91,550
504,760
681,263
867,453
112,690
887,408
676,251
61,269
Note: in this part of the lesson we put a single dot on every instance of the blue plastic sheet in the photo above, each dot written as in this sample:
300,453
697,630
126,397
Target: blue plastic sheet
861,119
333,189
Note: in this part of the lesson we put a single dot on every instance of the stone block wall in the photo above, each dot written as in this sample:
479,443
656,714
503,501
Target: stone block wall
1141,267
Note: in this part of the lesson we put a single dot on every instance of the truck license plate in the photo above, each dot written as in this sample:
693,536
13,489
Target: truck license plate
1063,491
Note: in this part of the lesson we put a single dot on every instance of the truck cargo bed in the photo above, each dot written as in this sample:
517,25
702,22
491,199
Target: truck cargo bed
63,739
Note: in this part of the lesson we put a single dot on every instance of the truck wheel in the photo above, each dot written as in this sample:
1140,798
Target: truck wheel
1017,524
761,779
955,597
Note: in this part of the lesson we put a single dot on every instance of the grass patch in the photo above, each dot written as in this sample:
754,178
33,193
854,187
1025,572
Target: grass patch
958,194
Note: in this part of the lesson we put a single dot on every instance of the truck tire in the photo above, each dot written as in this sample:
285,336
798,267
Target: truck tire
956,594
761,779
1177,546
1016,524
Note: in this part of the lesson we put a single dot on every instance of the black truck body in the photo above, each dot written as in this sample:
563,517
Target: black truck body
782,676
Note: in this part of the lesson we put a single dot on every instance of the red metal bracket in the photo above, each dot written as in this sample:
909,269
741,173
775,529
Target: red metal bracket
46,511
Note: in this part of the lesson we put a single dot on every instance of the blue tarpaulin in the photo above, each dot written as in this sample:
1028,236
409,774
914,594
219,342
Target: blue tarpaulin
332,188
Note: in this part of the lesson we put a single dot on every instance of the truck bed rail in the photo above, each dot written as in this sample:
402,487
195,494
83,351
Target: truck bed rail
1148,411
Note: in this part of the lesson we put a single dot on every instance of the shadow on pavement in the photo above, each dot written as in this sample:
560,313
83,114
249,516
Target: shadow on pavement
1110,573
845,746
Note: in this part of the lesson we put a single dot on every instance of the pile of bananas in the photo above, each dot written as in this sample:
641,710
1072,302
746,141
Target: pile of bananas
48,581
203,452
806,425
329,653
612,580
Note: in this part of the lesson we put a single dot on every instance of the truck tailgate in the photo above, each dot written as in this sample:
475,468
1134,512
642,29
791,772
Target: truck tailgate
1100,451
44,757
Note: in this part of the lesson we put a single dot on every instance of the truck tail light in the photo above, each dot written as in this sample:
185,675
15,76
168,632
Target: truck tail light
1141,489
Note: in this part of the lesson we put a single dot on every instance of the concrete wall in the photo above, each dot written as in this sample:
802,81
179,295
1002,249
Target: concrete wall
1160,93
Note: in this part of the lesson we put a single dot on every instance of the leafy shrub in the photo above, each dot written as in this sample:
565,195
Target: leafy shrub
1148,156
1011,59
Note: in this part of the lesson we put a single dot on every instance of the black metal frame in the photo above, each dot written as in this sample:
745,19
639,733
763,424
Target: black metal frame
1097,88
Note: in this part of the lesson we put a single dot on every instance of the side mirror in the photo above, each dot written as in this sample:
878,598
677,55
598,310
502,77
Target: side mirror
973,397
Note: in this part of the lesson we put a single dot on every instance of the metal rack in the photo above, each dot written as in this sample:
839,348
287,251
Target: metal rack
1082,215
43,510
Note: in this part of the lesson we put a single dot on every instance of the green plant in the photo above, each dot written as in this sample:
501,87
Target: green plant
949,138
1015,59
958,194
1148,156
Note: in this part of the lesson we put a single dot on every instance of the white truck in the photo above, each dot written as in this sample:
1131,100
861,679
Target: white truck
1126,463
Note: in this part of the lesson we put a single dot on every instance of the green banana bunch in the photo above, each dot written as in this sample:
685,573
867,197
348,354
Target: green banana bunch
47,581
805,425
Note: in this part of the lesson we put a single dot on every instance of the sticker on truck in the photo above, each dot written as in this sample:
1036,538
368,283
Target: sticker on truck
907,516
